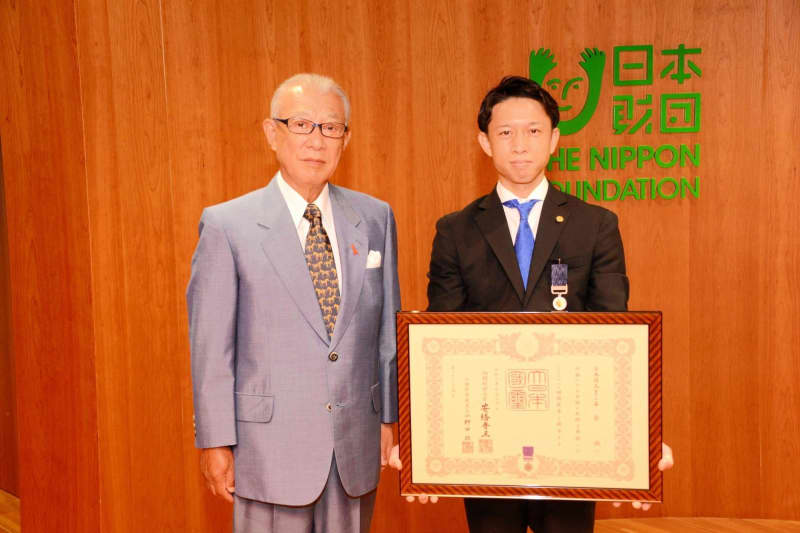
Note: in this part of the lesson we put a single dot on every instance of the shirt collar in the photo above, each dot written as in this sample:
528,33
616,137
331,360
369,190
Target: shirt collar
538,192
297,204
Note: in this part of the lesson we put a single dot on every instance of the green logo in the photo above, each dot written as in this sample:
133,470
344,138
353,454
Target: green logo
650,90
679,112
593,64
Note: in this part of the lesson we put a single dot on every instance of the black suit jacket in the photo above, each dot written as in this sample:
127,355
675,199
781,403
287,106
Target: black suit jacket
474,267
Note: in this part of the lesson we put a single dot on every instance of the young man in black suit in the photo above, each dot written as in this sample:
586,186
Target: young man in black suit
496,255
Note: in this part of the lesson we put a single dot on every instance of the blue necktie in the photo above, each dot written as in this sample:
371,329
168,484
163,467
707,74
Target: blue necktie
523,245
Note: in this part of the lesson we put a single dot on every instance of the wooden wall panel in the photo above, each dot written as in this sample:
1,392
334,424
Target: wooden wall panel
156,112
9,40
778,264
194,77
50,275
9,474
723,267
137,300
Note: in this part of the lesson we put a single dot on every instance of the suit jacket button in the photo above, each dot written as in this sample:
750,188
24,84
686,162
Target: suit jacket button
328,407
333,356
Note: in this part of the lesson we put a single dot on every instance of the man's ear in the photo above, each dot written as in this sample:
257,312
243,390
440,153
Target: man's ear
270,132
554,137
346,139
483,140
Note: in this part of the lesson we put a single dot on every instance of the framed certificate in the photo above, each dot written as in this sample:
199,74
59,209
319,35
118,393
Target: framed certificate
536,405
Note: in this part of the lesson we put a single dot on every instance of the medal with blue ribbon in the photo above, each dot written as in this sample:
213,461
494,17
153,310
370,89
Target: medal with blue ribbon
558,284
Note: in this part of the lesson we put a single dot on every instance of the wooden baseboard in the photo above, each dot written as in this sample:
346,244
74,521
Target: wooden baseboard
695,525
9,513
10,523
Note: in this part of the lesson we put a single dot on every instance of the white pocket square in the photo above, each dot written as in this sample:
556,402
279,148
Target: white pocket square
374,259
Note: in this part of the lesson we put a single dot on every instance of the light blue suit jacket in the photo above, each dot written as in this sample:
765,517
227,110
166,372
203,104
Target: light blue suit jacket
264,376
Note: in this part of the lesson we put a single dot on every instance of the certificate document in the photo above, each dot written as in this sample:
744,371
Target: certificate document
561,407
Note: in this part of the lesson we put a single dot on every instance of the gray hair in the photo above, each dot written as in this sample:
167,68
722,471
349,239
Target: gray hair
322,83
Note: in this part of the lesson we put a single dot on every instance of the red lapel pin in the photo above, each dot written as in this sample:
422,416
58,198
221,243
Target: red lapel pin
353,246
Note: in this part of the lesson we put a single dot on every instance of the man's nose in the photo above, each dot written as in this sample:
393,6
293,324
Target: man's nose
315,138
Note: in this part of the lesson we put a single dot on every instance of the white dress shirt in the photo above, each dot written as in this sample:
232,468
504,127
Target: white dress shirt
297,206
512,213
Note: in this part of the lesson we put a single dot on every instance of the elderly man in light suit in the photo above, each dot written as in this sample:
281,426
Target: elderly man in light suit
292,305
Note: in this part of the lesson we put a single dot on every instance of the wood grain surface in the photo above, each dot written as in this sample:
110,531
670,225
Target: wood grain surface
695,525
9,513
9,470
50,269
121,120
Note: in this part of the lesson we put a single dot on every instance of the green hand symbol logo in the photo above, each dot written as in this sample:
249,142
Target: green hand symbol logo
593,63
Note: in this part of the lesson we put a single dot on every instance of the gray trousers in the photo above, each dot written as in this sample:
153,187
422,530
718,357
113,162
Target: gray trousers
333,512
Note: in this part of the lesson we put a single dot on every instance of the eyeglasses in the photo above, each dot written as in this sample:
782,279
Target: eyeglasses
301,126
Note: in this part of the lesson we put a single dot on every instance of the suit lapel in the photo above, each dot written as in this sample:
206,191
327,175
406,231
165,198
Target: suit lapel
491,221
282,248
547,234
353,246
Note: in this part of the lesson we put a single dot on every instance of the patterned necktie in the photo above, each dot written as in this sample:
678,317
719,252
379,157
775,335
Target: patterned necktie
523,245
322,267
